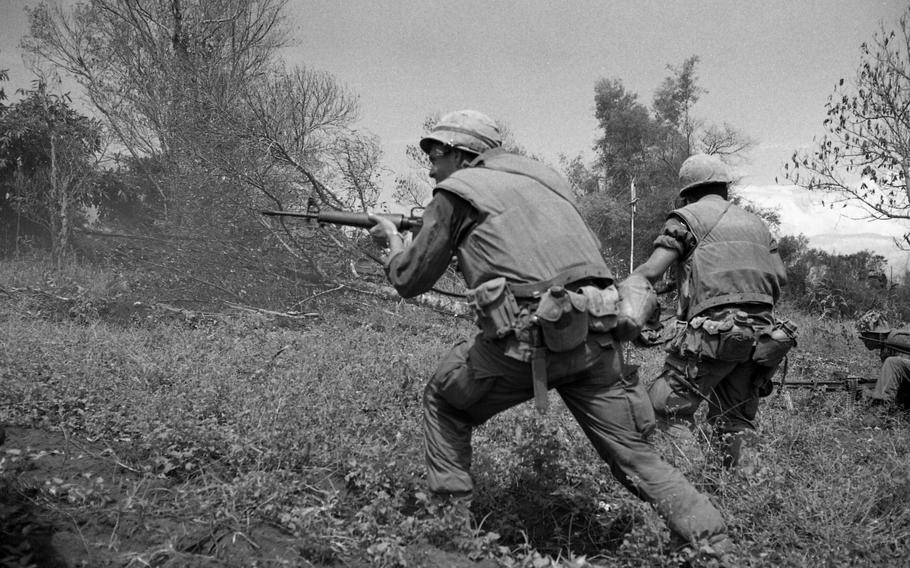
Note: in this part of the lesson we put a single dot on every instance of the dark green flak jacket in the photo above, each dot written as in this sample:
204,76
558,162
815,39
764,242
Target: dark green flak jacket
530,229
732,263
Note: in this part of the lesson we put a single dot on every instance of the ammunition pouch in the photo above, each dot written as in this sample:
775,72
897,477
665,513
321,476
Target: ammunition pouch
495,306
773,343
558,319
563,319
566,318
727,339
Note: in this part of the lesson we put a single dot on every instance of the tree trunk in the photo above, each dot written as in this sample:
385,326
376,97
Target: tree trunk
59,210
906,167
54,224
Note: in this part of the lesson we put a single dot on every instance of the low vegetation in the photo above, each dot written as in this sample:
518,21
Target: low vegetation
148,436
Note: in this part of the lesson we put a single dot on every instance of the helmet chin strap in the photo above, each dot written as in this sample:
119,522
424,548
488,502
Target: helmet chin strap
467,158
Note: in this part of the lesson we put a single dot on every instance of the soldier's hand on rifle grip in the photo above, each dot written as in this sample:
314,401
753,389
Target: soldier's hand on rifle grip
382,231
385,234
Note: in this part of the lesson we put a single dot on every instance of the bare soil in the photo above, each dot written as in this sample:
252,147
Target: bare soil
67,503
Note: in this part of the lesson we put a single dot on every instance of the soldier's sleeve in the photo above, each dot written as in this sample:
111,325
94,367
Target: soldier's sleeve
416,269
676,236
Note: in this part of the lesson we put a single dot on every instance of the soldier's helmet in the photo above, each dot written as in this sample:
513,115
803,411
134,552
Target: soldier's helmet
702,169
465,130
873,320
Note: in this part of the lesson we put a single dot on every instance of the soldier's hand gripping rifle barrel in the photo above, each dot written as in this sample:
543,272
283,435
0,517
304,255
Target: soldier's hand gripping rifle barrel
352,219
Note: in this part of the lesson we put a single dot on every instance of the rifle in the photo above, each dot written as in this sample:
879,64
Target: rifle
880,340
846,383
351,219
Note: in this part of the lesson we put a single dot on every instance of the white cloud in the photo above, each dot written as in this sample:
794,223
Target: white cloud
839,230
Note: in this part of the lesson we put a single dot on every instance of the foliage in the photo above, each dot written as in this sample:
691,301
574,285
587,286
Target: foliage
231,438
4,76
413,188
151,67
771,216
864,154
839,285
214,125
48,160
644,146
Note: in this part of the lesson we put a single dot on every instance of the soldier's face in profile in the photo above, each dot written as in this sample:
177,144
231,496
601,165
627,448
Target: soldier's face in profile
443,161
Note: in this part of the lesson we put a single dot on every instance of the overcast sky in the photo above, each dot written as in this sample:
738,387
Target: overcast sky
768,66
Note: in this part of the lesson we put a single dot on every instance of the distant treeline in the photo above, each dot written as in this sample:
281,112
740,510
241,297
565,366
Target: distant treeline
842,285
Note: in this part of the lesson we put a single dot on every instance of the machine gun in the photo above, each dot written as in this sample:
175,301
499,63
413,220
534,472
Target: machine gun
351,219
850,384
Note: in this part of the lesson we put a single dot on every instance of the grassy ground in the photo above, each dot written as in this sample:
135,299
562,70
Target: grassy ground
147,437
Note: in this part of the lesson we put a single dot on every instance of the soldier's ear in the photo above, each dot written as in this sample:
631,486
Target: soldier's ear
465,158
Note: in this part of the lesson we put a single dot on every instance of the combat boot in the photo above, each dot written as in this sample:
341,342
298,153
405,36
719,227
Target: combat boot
679,434
720,552
740,450
453,509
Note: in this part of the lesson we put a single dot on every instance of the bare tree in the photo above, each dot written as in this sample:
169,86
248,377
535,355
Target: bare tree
356,160
413,187
864,154
296,127
725,141
148,65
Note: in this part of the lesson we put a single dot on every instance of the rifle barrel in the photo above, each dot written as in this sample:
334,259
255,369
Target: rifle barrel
272,213
352,219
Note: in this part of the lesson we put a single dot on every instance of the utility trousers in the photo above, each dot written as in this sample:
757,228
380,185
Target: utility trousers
731,390
476,380
893,384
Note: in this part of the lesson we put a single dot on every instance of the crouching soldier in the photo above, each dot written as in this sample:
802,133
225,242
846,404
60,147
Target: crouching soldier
892,388
727,342
549,314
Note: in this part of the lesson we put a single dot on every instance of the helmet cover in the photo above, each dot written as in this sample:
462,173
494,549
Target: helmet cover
465,130
702,169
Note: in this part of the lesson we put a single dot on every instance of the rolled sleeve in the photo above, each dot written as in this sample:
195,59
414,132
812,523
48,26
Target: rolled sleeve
676,236
416,269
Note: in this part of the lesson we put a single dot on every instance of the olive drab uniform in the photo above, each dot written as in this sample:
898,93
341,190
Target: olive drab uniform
893,384
547,307
728,342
